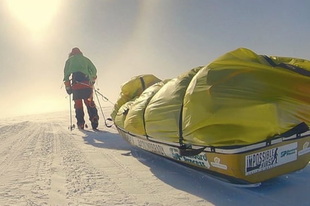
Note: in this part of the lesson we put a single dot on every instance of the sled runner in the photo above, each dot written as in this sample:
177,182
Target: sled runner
241,165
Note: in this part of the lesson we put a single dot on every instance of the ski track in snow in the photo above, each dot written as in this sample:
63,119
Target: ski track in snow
43,163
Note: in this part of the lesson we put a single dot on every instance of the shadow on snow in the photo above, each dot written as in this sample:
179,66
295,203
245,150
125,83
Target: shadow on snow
284,190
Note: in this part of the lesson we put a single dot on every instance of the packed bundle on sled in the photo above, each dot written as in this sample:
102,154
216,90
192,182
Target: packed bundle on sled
244,116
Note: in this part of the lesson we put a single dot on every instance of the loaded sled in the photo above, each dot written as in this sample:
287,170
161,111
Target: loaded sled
244,117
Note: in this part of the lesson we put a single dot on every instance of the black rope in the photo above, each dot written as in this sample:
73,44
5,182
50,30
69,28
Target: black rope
105,119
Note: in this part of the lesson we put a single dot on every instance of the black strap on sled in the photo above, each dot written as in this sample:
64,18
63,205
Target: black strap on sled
142,83
180,126
290,67
187,150
298,129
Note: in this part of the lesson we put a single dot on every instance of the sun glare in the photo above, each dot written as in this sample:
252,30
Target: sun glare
34,14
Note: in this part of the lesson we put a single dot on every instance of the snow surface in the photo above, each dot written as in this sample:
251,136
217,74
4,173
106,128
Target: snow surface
44,163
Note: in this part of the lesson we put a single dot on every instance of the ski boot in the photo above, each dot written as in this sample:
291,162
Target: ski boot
81,126
94,123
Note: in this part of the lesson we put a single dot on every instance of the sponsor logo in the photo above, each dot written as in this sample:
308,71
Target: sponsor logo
305,149
151,147
199,160
217,164
271,158
146,145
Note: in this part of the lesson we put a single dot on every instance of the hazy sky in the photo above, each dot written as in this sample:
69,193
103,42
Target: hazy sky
125,38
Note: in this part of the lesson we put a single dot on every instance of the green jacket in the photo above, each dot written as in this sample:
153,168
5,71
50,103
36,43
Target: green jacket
79,63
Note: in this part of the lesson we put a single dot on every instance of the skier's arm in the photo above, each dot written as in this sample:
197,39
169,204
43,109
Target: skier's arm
66,78
92,71
66,72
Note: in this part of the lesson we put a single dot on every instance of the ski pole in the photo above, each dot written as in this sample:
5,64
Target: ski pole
70,127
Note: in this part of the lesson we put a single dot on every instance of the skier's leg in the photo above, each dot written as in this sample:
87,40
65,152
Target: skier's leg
92,112
79,113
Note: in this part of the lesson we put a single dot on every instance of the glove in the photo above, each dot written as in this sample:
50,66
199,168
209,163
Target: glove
69,90
93,80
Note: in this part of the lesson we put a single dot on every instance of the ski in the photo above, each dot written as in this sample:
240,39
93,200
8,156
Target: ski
93,130
232,183
71,127
85,129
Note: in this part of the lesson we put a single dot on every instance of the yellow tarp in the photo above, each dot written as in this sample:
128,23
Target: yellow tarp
132,89
135,119
240,98
162,115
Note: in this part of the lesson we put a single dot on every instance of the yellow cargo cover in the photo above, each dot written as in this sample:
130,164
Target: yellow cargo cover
162,115
135,118
240,98
121,114
132,89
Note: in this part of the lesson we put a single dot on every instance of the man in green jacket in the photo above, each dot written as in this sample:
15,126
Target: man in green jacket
83,76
